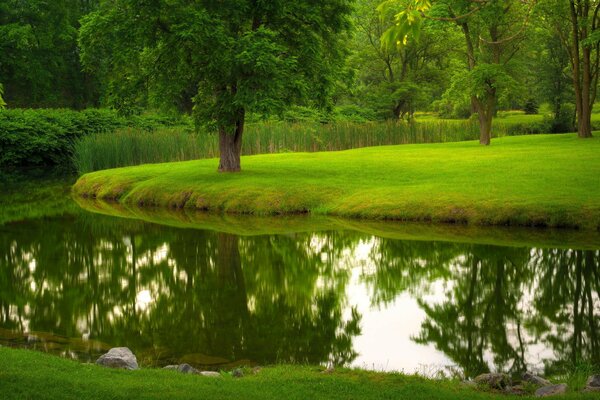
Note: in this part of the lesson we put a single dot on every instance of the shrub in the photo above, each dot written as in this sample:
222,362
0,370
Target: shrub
45,137
531,106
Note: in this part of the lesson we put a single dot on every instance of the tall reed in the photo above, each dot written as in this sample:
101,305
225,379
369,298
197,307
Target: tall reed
134,147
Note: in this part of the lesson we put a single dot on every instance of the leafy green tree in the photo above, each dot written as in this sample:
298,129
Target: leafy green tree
39,66
492,30
580,36
395,81
228,58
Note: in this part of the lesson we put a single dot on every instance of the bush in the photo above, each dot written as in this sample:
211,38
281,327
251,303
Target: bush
45,137
531,107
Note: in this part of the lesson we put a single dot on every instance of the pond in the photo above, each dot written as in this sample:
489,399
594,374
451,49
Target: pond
75,283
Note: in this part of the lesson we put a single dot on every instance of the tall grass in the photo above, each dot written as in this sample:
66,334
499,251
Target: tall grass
133,147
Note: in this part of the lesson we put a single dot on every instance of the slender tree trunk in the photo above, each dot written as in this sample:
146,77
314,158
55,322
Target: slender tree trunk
581,72
230,145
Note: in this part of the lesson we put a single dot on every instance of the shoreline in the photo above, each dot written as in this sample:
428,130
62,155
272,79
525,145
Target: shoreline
433,183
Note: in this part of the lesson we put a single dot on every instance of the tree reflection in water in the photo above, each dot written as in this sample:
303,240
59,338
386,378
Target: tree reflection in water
81,284
500,306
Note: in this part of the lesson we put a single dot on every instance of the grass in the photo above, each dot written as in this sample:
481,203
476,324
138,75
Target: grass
134,147
31,375
541,180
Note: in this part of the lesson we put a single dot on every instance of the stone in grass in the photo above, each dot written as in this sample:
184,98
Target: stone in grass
493,380
593,384
183,368
517,390
535,380
551,390
211,374
237,373
118,357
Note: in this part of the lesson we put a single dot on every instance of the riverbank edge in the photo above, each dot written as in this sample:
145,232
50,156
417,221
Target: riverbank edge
244,194
31,374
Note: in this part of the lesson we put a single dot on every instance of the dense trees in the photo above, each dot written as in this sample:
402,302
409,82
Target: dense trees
224,59
493,31
39,60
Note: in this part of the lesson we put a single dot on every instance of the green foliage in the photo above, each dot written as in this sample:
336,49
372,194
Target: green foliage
226,59
46,137
531,106
40,65
2,102
133,147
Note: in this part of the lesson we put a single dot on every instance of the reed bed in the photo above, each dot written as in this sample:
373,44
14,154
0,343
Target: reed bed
134,146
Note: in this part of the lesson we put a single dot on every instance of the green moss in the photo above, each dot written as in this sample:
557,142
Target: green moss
31,375
542,180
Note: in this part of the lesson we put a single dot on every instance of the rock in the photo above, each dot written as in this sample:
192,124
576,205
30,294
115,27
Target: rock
517,390
183,368
551,390
535,380
211,374
237,373
329,370
493,380
593,384
118,357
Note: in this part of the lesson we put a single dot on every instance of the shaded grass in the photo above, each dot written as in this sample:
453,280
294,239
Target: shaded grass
541,180
31,375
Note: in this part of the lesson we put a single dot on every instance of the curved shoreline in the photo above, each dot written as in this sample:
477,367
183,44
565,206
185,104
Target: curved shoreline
527,181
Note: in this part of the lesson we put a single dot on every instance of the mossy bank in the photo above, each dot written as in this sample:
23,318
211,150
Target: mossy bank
31,375
538,180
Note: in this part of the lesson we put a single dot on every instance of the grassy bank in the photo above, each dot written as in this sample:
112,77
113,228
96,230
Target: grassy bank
549,180
31,375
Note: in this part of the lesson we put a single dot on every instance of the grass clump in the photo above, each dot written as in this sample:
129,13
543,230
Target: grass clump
31,375
527,180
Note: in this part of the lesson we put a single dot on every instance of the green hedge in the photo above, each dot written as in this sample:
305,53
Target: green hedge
45,137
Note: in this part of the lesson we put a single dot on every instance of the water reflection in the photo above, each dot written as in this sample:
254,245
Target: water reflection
78,285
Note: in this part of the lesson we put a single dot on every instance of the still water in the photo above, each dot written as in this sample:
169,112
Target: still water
75,283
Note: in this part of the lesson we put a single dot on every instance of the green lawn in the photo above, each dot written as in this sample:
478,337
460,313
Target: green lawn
31,375
551,180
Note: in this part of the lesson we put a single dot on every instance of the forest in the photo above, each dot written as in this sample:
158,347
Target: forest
219,67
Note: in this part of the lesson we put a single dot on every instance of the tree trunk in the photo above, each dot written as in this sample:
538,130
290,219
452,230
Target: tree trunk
485,113
581,76
230,146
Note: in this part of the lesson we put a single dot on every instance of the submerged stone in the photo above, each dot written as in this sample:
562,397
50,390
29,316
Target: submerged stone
118,357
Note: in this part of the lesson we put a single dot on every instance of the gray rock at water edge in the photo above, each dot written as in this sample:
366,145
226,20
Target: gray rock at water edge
551,390
237,373
118,357
535,380
493,380
517,390
183,368
593,384
211,374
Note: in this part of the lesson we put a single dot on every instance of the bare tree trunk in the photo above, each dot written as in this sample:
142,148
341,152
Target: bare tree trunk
230,145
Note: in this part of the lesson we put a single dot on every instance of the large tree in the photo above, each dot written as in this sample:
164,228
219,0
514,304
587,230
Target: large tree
223,58
577,24
493,32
